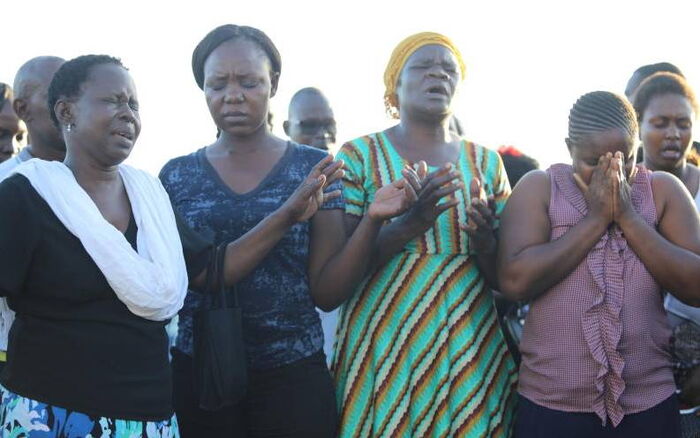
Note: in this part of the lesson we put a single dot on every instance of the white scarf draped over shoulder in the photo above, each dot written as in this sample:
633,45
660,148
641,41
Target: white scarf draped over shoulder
152,282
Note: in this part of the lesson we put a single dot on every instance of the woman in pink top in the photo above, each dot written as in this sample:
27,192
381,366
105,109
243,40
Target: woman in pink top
600,240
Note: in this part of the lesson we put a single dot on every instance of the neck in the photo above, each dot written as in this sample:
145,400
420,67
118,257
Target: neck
681,172
92,176
424,132
44,150
243,145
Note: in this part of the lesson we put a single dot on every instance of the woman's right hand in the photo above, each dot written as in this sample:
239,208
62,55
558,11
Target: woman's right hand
431,189
310,196
599,193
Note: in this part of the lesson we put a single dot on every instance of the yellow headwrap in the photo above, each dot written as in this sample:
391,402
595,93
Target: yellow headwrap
400,55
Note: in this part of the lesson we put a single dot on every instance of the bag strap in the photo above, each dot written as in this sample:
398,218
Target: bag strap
218,286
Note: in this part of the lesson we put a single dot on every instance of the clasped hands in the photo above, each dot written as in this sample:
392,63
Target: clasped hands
609,193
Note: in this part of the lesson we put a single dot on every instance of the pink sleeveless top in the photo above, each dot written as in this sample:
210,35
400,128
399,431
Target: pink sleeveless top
599,340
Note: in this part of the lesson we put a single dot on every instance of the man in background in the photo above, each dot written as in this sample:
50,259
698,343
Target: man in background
311,121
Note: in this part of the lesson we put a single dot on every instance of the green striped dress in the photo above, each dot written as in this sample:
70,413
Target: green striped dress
419,350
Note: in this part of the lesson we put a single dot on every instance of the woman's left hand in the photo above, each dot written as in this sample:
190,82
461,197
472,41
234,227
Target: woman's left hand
482,218
622,189
394,199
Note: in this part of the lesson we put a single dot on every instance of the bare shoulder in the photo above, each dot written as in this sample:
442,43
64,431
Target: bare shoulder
534,185
664,184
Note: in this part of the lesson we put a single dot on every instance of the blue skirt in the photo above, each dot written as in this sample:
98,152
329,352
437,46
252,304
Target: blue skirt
535,421
27,418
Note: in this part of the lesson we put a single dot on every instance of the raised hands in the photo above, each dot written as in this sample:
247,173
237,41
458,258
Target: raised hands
481,220
431,188
310,196
394,199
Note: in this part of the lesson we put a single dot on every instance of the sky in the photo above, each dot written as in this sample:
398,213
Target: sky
527,61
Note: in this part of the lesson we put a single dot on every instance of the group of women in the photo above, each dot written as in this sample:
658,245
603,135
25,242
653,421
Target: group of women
408,231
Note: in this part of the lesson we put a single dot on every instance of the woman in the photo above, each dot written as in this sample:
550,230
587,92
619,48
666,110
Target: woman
600,240
419,349
233,186
87,352
666,109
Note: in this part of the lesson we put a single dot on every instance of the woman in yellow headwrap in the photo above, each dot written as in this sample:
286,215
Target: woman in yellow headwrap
419,349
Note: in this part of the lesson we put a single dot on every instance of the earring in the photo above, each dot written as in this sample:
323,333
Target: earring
69,127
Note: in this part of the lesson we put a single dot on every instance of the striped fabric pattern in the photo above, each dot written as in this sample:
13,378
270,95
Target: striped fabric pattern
419,349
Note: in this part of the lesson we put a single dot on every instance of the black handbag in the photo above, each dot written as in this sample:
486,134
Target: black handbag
220,371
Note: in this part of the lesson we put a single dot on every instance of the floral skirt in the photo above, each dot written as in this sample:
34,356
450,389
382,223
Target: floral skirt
21,417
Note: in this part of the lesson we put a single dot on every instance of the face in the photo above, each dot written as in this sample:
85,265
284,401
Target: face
12,132
428,82
34,111
585,155
311,122
105,117
238,85
666,131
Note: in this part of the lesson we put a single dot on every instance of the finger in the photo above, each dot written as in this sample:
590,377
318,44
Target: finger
412,178
318,194
315,185
437,195
440,181
422,169
484,210
409,193
475,188
441,208
331,195
332,167
633,174
338,174
317,169
579,182
477,218
491,200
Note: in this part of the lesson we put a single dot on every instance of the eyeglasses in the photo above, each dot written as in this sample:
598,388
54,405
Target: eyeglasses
310,127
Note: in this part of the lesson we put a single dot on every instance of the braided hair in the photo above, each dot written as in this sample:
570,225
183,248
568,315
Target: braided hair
70,77
599,111
228,32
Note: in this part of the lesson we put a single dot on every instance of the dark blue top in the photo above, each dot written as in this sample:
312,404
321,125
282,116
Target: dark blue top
280,323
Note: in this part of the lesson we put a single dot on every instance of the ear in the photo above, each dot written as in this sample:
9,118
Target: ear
274,81
20,107
64,111
285,126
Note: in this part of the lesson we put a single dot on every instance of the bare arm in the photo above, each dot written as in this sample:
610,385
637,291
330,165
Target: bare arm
245,253
672,255
528,263
337,264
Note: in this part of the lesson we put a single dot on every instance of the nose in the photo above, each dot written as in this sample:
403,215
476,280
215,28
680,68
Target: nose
234,95
673,131
437,71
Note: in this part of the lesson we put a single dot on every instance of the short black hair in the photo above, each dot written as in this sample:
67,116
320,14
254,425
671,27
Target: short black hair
659,84
645,71
70,77
599,111
5,94
228,32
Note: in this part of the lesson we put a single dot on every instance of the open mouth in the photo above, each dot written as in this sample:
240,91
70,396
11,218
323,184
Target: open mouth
671,151
437,89
126,134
